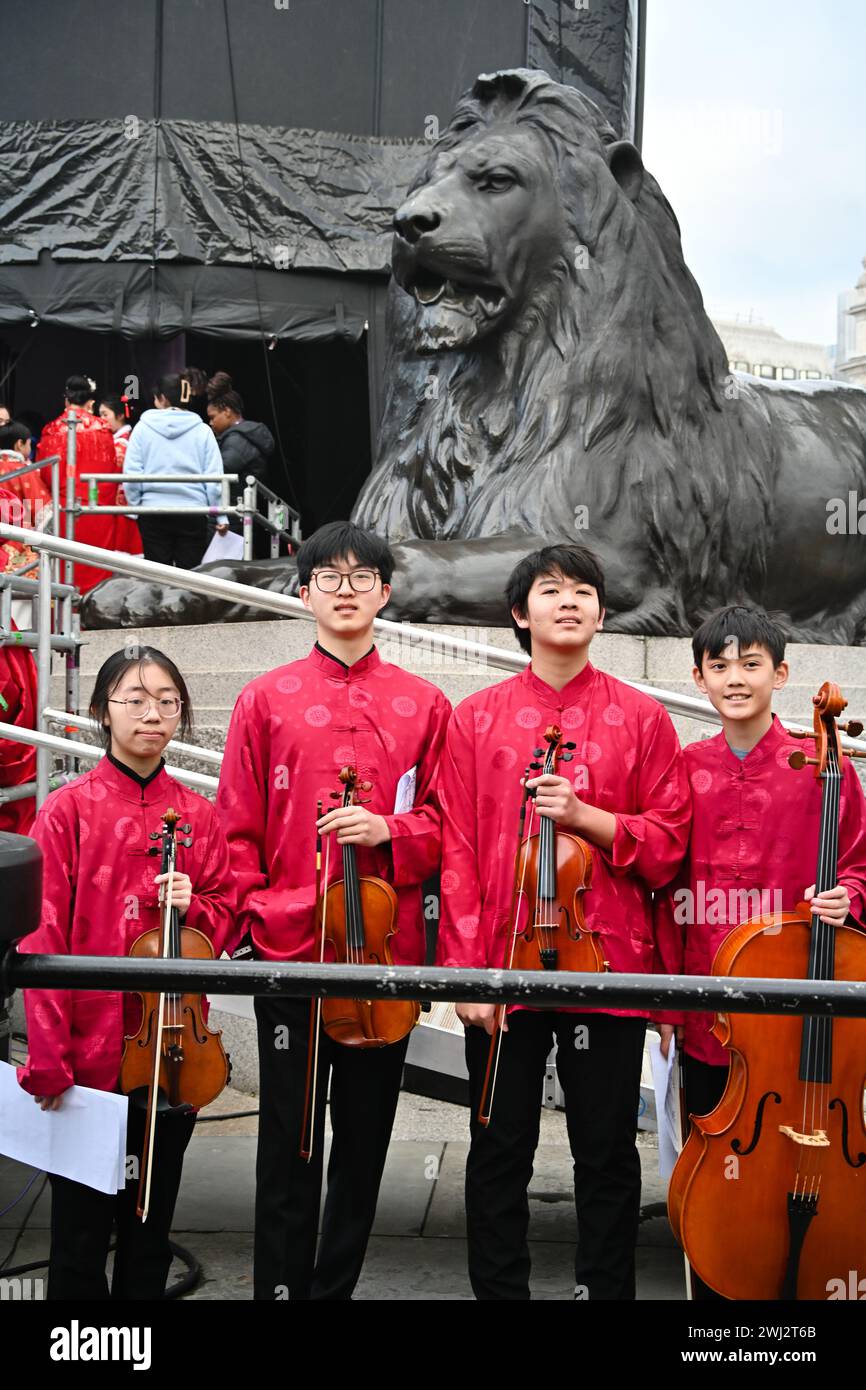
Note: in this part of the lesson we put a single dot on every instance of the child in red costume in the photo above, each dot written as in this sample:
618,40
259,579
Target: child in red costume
754,836
100,892
291,732
626,795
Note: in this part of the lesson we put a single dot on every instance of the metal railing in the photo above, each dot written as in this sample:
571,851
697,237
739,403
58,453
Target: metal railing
284,605
539,989
281,522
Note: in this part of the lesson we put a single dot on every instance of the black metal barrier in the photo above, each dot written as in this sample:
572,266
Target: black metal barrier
544,989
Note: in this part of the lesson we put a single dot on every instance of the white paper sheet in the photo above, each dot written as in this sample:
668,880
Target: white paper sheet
85,1139
405,796
227,547
667,1089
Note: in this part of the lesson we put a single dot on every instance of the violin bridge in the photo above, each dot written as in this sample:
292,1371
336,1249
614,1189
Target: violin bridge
816,1140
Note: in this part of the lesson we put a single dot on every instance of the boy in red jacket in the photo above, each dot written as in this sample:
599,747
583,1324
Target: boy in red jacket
625,794
291,732
754,837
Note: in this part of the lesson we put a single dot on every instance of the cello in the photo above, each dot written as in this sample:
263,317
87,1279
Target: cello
552,872
768,1197
175,1062
356,916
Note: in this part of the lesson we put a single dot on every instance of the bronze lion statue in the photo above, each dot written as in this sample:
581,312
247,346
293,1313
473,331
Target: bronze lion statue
552,371
552,374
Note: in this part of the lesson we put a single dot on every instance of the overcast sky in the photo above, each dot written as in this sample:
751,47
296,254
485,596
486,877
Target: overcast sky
755,128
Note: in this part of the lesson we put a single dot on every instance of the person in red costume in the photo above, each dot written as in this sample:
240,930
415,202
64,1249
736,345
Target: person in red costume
742,783
94,453
115,412
101,892
627,796
17,706
291,732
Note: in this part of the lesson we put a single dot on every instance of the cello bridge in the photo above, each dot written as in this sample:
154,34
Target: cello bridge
817,1140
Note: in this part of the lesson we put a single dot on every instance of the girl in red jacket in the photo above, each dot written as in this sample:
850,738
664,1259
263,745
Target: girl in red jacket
100,892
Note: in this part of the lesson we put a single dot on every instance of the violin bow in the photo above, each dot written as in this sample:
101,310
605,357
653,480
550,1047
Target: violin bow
485,1105
309,1121
170,820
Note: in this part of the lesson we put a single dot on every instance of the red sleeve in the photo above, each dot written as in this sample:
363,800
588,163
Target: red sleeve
416,839
668,943
852,844
213,907
242,805
48,1069
50,443
651,842
460,941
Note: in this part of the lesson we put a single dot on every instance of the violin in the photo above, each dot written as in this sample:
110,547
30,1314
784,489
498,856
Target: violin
175,1062
356,917
768,1197
552,872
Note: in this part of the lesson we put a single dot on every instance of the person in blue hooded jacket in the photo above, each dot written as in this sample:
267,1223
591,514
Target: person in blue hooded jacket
170,439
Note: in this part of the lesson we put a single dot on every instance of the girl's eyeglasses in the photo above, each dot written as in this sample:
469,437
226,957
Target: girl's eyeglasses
168,707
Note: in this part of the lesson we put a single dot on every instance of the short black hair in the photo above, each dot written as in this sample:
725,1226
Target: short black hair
748,626
335,541
11,433
111,673
574,561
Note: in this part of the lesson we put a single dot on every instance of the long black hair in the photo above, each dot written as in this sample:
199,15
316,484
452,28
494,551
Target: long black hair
111,673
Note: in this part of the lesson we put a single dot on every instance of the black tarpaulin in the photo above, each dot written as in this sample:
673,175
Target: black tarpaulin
120,298
84,190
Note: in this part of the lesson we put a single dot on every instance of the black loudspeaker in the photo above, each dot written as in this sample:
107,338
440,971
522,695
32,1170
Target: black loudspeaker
20,886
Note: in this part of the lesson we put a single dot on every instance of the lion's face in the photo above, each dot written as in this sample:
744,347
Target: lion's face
476,235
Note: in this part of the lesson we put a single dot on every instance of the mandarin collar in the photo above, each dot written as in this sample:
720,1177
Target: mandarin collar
576,689
338,670
158,788
765,748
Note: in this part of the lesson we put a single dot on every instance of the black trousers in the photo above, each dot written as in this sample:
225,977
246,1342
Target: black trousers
599,1070
365,1084
82,1223
174,540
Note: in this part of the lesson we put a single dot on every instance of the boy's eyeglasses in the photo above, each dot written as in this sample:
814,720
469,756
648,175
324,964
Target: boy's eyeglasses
361,581
168,707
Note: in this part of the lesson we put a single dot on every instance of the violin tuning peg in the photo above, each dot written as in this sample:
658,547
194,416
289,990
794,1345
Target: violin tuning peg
336,796
538,752
535,767
186,829
567,758
154,835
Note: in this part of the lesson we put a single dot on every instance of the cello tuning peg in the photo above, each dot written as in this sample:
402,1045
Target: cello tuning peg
854,753
853,728
799,760
799,733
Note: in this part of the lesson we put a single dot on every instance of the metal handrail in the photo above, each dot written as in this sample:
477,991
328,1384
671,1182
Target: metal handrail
159,477
537,988
286,606
54,743
83,721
